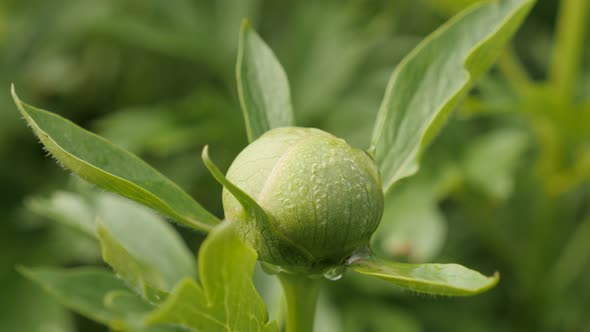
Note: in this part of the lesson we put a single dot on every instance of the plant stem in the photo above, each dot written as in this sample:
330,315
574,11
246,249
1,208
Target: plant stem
301,295
569,45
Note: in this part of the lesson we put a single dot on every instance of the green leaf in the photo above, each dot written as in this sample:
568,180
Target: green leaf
245,200
152,263
227,299
134,311
451,7
67,208
431,80
263,87
270,290
21,298
98,161
82,290
156,260
288,250
437,279
503,147
95,293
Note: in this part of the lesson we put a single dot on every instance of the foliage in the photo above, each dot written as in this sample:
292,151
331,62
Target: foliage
503,186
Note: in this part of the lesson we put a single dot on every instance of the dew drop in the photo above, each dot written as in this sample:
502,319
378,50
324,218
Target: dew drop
359,254
334,273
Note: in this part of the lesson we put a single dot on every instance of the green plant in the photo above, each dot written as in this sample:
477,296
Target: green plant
160,286
536,108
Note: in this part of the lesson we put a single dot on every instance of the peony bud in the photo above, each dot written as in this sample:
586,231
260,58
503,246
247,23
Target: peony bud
323,198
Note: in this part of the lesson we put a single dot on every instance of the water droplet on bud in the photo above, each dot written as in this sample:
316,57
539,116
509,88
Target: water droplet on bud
359,254
334,273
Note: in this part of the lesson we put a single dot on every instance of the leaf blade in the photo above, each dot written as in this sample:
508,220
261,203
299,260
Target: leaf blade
22,299
66,208
98,161
97,294
430,81
153,262
436,279
63,285
287,249
227,299
263,87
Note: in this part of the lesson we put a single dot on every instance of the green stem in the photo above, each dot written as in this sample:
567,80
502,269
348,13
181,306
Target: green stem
301,295
569,45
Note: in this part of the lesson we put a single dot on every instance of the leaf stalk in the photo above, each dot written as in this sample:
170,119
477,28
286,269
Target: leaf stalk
569,45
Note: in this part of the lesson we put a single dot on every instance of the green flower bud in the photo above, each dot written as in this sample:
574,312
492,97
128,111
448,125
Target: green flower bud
323,198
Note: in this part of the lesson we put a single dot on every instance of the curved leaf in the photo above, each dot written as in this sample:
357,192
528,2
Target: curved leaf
245,200
98,161
24,307
153,262
430,81
67,208
97,294
263,87
436,279
227,299
294,252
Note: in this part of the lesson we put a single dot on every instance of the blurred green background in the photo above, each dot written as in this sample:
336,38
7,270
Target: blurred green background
504,187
